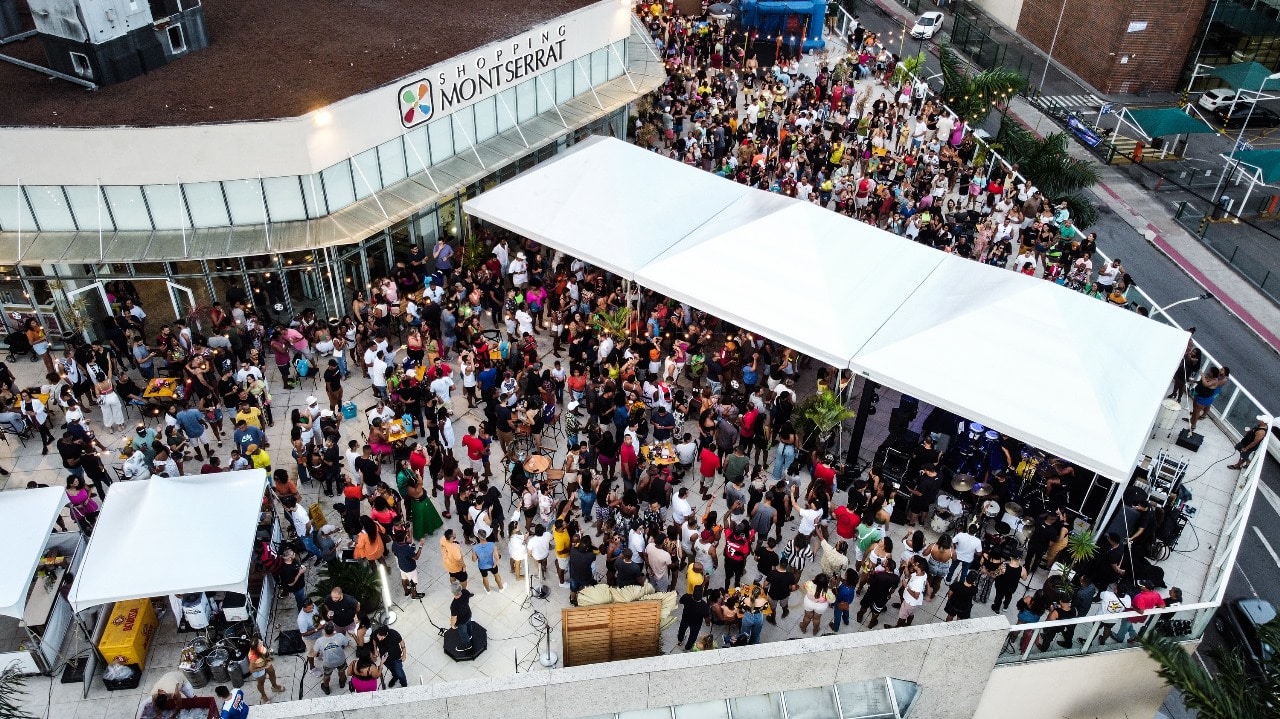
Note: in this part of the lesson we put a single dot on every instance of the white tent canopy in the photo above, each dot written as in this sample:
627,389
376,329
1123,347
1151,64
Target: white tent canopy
26,519
167,536
1051,367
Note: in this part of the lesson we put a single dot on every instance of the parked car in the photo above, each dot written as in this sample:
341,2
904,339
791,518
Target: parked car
1222,97
927,25
1235,119
1238,621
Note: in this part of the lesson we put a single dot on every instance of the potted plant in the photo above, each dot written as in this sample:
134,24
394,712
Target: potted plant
616,323
818,416
1082,546
357,579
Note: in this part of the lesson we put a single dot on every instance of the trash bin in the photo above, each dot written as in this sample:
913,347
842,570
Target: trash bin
1169,411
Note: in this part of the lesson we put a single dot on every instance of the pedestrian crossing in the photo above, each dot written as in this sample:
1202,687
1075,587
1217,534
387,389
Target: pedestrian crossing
1070,101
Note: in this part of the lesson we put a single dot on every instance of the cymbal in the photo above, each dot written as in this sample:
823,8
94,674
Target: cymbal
983,490
1013,508
962,483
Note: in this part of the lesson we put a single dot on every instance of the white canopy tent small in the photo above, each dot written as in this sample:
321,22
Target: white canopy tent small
167,536
1051,367
27,517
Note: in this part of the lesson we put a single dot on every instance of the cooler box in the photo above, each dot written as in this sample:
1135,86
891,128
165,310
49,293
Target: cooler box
349,410
131,628
235,607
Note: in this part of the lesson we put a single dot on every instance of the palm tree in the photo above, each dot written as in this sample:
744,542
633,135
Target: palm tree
1047,162
974,96
820,415
1232,692
12,689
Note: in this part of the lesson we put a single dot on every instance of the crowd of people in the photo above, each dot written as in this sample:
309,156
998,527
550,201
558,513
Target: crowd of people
476,364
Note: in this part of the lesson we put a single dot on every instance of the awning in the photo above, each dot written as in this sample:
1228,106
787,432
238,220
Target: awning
1165,121
1246,76
954,332
26,519
172,536
1268,161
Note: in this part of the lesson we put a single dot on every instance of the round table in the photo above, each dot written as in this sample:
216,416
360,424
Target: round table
537,463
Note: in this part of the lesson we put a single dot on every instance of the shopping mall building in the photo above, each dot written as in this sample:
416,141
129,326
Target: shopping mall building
296,158
277,166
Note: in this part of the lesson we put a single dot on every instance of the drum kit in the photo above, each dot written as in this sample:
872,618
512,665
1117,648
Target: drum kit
977,450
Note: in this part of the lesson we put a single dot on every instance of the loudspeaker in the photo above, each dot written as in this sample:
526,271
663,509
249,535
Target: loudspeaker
479,643
1190,440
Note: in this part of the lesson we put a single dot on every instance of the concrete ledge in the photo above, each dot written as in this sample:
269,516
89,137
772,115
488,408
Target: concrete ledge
928,654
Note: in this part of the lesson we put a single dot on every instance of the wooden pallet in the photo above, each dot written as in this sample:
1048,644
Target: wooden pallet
610,632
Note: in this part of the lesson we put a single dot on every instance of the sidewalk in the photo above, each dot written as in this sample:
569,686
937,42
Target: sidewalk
1147,213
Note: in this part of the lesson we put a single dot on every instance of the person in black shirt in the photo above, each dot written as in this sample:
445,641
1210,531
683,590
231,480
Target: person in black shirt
368,469
629,573
960,596
779,583
879,587
390,646
341,610
582,562
767,557
925,493
460,616
695,613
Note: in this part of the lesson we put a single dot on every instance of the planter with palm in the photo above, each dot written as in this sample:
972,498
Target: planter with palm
974,96
1082,547
1232,691
357,579
817,417
615,323
12,689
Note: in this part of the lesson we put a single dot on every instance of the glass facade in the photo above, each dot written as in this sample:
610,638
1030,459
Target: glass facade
254,201
278,284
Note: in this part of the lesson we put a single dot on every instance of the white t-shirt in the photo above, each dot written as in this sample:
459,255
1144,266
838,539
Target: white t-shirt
967,546
916,583
516,547
441,387
539,547
808,520
680,509
378,373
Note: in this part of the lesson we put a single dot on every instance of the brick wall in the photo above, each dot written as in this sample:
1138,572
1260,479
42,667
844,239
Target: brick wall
1094,41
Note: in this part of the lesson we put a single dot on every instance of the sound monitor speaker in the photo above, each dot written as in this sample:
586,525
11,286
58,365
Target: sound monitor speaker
479,643
1190,440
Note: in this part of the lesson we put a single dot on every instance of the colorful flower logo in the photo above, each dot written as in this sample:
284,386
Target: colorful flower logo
415,103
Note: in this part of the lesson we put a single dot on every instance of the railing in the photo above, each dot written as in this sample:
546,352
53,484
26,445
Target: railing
1101,633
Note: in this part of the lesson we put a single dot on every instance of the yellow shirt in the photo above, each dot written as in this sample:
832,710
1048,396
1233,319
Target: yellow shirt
252,417
562,543
693,580
261,460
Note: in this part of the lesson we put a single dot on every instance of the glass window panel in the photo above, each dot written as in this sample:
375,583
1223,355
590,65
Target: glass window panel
284,198
87,205
366,175
312,194
526,100
581,75
244,197
464,130
391,161
167,211
565,88
761,706
441,134
127,207
506,113
416,150
865,700
660,713
338,189
546,91
615,60
50,207
599,66
427,231
14,213
904,693
486,119
816,703
703,710
207,205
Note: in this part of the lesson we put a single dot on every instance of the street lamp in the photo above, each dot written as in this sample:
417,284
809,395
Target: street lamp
1240,137
1049,58
1171,305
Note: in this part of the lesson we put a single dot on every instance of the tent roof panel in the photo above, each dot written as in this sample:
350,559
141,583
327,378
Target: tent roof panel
1266,160
609,203
1165,121
26,518
1246,76
171,536
1049,366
